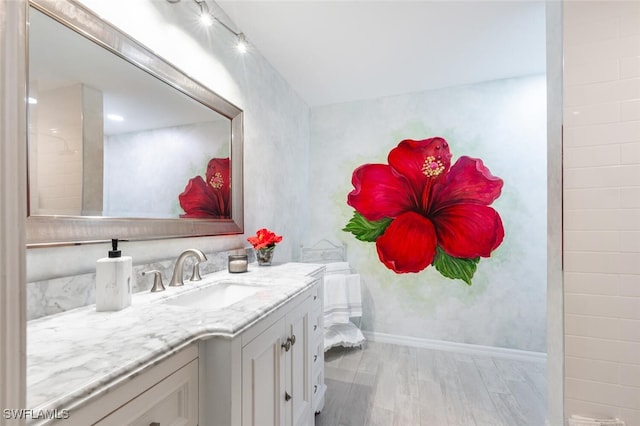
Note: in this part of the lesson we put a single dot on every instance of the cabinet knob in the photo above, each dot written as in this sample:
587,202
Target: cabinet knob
315,327
287,397
286,345
315,389
315,358
293,339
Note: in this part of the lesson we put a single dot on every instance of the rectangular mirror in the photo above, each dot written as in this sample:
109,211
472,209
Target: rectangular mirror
121,144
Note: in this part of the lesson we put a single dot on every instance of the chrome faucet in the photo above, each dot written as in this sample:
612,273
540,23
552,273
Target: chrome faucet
177,279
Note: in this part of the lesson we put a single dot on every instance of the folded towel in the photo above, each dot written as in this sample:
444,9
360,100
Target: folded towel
342,298
336,300
354,295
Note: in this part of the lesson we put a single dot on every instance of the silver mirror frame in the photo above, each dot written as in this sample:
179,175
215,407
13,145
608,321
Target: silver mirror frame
66,230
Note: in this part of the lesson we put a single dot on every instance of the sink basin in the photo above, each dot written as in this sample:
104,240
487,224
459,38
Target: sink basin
215,296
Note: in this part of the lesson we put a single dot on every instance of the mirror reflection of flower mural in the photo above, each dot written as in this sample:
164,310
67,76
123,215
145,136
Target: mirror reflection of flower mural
208,199
422,211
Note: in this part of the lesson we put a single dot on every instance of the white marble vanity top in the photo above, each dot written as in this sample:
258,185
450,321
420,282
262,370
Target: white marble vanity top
78,354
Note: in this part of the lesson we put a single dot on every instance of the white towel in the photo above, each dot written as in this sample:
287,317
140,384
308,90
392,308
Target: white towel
336,300
342,298
354,295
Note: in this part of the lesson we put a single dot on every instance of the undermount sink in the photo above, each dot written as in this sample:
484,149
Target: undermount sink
215,296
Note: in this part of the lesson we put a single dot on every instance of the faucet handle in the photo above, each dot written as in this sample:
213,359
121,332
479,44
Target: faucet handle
157,281
195,274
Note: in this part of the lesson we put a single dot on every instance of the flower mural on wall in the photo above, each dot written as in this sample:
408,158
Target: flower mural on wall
420,210
208,199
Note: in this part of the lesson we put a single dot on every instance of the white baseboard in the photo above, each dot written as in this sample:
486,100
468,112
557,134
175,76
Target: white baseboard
466,348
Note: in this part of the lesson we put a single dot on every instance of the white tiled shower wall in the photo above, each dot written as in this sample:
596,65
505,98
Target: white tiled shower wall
602,208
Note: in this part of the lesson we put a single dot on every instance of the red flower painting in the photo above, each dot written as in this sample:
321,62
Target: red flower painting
208,199
420,210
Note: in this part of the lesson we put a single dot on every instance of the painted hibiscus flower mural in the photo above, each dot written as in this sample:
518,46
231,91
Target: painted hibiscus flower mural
208,199
420,210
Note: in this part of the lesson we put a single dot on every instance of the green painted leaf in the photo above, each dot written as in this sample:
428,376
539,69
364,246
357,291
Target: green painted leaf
455,267
366,230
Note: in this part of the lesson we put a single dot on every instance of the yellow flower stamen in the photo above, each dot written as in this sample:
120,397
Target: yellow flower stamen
432,167
216,181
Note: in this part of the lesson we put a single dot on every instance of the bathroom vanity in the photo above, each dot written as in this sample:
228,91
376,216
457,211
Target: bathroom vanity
230,350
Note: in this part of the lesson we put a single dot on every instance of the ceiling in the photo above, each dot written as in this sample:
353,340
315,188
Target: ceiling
340,51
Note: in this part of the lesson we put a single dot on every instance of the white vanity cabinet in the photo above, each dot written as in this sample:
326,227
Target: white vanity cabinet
276,376
163,395
263,377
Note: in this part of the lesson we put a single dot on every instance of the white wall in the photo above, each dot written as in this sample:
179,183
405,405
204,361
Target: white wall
602,209
501,122
275,128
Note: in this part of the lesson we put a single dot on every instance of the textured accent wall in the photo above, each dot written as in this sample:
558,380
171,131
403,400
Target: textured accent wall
602,209
503,123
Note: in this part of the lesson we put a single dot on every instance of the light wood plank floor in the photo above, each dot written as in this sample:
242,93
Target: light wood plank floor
386,385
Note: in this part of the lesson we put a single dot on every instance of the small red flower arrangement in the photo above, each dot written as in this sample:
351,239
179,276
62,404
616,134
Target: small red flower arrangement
264,243
264,239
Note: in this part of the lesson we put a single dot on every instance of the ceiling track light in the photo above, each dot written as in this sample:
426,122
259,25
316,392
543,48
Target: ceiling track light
207,18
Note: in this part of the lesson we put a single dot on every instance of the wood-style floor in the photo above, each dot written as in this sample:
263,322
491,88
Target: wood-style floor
386,385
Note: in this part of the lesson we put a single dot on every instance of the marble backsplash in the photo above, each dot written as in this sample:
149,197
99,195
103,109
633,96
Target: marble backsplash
48,297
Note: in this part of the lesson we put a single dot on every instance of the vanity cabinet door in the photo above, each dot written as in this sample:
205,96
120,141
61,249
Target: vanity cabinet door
263,378
276,372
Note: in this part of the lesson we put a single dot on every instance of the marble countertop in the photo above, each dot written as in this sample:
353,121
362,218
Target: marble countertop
76,355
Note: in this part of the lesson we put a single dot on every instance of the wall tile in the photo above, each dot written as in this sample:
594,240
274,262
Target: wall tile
630,332
630,110
611,307
630,416
630,197
589,369
592,326
602,220
630,67
629,285
630,241
591,71
592,198
630,153
592,283
602,92
609,263
621,396
602,349
591,156
602,134
593,409
580,240
607,51
602,177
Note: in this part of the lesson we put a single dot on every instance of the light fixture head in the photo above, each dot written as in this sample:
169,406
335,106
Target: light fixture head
242,43
205,15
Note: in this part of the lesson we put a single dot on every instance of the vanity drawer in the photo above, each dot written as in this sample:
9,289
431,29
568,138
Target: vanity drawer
173,401
317,357
317,320
317,391
316,296
162,383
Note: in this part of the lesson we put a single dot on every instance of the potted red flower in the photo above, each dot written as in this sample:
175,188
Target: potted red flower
264,243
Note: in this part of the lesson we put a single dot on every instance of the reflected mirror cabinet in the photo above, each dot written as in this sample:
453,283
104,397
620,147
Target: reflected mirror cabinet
121,142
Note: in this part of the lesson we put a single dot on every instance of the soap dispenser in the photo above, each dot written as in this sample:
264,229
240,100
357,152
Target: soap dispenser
113,280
